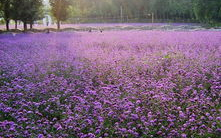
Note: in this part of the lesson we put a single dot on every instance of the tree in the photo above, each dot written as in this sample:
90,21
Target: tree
28,11
60,10
15,11
132,9
36,11
6,7
1,13
207,11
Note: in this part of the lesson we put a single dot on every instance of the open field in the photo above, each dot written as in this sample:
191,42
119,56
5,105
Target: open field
111,84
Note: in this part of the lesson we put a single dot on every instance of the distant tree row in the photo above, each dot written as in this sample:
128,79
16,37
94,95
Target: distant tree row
28,11
140,9
174,10
208,11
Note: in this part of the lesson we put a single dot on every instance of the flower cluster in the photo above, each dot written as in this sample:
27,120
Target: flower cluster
111,84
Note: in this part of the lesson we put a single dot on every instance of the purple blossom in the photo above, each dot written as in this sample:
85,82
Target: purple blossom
118,83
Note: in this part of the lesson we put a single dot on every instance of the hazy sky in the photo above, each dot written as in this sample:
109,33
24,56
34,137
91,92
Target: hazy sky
46,2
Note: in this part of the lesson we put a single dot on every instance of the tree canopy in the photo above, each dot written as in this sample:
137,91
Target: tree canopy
26,11
169,10
6,13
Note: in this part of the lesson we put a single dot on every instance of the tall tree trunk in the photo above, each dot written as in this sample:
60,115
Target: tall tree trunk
163,16
7,25
25,26
167,16
58,25
31,25
16,24
156,17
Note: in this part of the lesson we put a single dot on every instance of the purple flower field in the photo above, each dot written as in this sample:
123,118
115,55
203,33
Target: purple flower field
131,84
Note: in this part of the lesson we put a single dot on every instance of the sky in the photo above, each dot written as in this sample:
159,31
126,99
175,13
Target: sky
46,2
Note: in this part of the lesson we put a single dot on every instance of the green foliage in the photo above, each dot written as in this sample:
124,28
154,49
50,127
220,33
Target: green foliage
208,11
6,116
131,9
24,10
5,8
28,10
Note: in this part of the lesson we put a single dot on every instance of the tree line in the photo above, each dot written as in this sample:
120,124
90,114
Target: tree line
28,11
206,11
